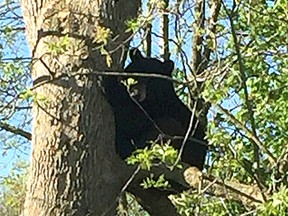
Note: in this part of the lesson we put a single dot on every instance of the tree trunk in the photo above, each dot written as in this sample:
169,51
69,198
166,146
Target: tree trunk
74,168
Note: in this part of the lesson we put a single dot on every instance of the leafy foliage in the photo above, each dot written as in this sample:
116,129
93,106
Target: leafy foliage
12,193
164,153
276,205
250,104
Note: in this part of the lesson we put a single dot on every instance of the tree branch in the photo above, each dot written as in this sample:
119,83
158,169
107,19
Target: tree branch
15,130
248,195
198,36
215,6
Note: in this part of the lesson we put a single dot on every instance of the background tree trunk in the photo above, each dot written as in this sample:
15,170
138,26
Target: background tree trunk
74,168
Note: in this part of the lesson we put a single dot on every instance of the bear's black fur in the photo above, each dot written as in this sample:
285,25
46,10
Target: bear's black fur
159,100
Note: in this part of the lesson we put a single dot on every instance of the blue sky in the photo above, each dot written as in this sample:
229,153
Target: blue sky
13,148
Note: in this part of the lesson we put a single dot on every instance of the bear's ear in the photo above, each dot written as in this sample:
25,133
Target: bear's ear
169,66
135,55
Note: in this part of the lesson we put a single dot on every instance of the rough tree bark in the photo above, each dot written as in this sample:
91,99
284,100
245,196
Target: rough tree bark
74,168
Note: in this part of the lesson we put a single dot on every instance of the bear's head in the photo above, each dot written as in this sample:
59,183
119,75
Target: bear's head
150,88
148,65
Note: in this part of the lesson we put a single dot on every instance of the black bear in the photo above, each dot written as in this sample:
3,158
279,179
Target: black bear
160,111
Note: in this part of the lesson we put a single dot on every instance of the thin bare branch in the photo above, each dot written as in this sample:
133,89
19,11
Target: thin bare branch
15,130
